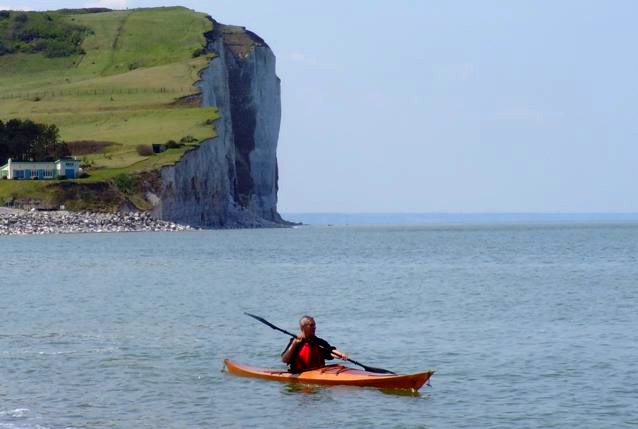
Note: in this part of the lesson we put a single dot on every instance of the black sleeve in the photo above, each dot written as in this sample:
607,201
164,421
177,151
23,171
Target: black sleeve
326,348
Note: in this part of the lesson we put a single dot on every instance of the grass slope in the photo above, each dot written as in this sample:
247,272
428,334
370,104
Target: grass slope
136,64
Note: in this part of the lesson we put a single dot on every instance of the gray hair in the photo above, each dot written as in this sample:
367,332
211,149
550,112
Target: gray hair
305,318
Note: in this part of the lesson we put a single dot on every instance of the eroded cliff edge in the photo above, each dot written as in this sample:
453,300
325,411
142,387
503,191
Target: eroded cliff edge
230,181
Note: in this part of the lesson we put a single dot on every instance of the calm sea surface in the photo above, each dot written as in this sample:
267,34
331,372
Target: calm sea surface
526,326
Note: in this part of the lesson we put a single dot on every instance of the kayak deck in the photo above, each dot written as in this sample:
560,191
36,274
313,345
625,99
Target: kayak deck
334,375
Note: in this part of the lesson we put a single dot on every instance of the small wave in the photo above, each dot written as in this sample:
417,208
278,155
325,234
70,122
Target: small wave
17,413
99,350
14,426
43,335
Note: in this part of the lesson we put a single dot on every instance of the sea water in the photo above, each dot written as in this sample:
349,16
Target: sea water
526,325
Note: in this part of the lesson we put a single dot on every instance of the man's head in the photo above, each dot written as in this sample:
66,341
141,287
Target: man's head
307,326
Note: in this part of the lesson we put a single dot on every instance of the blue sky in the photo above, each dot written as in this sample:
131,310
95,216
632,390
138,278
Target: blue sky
447,106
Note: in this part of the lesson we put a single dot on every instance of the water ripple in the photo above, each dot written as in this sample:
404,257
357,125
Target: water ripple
527,326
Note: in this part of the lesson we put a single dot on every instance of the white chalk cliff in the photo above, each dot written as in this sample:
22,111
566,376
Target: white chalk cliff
231,180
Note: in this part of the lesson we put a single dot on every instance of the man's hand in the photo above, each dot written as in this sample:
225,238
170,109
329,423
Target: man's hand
285,357
339,354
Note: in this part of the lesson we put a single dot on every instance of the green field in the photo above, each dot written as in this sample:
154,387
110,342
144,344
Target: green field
137,63
124,88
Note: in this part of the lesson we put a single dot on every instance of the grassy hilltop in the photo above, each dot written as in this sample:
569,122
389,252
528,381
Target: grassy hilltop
111,81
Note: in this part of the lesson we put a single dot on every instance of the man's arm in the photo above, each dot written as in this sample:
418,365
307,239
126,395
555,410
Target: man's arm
330,352
290,350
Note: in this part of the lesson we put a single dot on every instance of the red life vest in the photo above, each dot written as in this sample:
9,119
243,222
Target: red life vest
309,356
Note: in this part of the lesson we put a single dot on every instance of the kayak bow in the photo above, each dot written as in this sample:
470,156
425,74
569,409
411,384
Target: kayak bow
334,375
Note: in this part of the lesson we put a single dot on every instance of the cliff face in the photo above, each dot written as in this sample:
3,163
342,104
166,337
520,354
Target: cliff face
230,180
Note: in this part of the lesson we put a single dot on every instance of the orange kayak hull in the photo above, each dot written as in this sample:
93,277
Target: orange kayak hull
334,375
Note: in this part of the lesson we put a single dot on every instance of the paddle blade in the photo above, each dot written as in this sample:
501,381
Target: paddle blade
378,370
261,319
372,369
267,323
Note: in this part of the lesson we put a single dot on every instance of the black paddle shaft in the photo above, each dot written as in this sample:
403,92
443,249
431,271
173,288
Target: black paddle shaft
276,328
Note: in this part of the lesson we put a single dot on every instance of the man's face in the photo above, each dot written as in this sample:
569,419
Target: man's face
308,328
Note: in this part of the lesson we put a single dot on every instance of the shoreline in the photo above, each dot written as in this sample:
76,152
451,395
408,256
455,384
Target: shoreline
21,222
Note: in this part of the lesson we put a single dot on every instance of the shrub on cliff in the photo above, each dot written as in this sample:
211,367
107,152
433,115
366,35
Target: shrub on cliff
144,149
125,183
188,139
172,144
199,52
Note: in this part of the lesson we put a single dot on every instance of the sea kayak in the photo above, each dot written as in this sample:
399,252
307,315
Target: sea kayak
334,375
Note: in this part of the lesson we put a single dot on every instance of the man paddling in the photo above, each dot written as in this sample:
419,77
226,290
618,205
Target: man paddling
308,351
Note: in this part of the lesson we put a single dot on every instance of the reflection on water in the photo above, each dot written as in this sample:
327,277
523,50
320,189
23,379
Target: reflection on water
401,392
309,389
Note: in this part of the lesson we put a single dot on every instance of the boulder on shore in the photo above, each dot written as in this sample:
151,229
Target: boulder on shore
20,222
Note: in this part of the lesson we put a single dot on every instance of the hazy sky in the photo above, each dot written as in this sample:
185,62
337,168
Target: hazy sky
447,106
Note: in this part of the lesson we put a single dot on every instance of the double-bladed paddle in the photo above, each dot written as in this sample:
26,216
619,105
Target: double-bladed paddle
367,368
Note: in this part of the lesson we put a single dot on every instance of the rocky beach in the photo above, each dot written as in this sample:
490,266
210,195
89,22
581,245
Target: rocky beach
21,222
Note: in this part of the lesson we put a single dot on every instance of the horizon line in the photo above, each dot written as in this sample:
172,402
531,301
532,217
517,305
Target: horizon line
465,213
